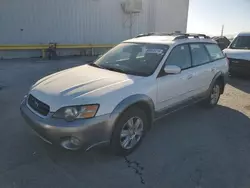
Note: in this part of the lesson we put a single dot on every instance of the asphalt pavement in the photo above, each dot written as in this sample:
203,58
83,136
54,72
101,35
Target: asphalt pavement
192,148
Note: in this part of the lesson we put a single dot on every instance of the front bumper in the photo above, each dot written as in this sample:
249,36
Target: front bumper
71,135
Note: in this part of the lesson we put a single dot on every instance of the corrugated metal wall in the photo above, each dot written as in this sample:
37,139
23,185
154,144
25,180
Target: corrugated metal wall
171,15
84,21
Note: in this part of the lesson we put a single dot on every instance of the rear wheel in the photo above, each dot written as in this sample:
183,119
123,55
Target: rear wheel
129,131
214,95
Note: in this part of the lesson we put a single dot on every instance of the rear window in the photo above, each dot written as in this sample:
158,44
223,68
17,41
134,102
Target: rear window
214,51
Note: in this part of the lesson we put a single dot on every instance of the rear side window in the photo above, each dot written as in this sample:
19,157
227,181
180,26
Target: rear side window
214,51
199,54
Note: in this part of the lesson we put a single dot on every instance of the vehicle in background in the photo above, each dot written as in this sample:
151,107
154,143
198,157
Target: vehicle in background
222,42
238,54
117,98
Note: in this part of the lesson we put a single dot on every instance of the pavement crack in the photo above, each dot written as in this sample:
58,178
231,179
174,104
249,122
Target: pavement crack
137,168
197,177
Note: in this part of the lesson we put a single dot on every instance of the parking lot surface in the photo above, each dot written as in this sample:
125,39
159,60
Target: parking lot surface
192,148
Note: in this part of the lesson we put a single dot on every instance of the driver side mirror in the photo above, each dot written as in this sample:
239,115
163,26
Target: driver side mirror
172,69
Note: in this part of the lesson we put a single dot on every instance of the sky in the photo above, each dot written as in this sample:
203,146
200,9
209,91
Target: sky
208,16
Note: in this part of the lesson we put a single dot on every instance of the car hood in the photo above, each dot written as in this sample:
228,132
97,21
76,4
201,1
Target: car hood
78,85
237,53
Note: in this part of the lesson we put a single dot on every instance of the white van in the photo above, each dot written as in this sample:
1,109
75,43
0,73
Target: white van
238,54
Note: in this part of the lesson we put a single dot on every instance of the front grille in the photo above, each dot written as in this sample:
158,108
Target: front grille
38,106
239,63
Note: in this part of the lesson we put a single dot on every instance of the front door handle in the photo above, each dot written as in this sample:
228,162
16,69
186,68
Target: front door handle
188,77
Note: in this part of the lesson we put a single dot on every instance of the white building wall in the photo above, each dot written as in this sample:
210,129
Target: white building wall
171,15
85,21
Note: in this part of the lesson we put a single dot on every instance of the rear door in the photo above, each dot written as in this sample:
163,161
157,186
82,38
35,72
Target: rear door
218,59
203,67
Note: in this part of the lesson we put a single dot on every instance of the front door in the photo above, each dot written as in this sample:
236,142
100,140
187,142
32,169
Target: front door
174,89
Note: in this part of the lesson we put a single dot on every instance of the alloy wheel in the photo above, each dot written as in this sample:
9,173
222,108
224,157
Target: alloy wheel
215,94
131,133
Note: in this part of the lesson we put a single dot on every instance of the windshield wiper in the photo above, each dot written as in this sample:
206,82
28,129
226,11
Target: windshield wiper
108,68
126,72
119,70
115,69
95,65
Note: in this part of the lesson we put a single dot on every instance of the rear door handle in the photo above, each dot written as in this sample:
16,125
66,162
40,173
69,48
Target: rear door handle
213,69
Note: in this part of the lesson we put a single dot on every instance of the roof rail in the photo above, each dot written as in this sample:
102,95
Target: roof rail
187,35
152,34
176,35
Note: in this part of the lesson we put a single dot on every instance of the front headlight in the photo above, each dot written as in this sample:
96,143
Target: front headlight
71,113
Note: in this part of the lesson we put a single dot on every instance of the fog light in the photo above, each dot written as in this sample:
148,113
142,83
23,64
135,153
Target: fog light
71,143
75,141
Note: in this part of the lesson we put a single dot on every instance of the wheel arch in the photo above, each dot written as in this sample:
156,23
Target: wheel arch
220,76
139,100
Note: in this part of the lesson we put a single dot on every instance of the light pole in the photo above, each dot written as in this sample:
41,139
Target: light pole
222,30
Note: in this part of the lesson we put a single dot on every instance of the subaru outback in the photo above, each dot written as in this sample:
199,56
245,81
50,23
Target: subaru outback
116,99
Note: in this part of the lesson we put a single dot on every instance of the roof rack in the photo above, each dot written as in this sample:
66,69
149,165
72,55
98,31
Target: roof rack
187,35
152,34
176,35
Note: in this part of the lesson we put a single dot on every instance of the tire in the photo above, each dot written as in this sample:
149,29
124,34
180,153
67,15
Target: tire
122,145
214,95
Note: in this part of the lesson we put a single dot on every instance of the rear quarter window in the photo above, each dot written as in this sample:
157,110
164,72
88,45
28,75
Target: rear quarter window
214,51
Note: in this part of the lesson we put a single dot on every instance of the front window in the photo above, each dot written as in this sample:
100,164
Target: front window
241,42
133,58
180,56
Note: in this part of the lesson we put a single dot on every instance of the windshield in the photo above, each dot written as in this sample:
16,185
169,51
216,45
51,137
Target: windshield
133,58
241,42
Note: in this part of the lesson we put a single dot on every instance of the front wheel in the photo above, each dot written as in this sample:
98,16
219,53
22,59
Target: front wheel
129,131
214,95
